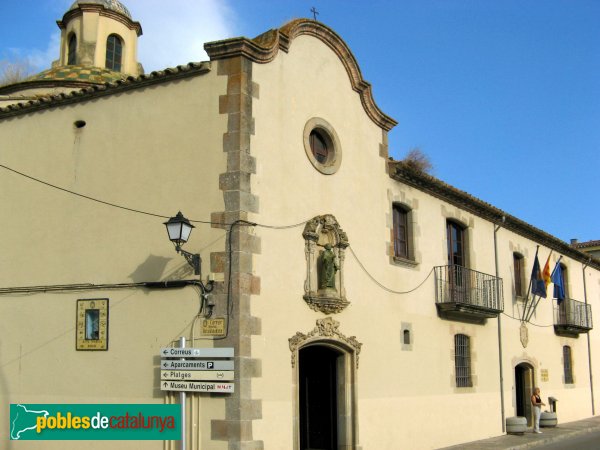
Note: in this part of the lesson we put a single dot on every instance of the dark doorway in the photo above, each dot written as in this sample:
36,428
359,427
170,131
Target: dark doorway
318,398
523,390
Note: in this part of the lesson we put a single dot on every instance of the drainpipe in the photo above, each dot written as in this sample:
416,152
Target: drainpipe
588,338
496,228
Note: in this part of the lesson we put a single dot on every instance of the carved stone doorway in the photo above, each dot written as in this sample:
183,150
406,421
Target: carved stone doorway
325,362
523,389
318,397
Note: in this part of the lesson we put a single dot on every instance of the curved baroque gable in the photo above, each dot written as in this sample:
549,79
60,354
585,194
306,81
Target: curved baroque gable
264,48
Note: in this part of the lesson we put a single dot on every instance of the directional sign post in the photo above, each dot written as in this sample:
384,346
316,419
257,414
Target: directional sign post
197,375
172,364
196,369
187,386
219,352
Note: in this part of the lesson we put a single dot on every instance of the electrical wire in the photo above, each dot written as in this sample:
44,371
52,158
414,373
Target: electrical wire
126,208
381,285
81,195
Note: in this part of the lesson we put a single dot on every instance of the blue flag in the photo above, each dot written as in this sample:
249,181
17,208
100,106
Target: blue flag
538,287
559,283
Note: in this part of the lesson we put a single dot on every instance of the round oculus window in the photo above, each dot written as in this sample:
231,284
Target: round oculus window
321,145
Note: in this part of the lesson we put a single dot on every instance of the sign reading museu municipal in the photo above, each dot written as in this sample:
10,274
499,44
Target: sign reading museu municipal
197,369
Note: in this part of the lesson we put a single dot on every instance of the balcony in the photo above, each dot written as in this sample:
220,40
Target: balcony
572,318
467,295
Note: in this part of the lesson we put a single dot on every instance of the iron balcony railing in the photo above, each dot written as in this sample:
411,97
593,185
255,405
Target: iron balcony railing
573,314
459,285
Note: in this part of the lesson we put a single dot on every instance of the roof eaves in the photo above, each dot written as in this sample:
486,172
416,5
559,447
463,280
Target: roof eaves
100,90
437,188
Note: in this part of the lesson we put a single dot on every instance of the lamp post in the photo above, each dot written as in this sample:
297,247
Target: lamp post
179,229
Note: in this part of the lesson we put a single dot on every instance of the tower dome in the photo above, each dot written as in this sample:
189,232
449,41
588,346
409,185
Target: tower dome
99,33
98,45
111,5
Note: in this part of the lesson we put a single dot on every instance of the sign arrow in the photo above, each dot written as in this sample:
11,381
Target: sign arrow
165,365
165,352
166,384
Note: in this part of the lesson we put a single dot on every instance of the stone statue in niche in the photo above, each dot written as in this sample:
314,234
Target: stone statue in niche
324,285
328,269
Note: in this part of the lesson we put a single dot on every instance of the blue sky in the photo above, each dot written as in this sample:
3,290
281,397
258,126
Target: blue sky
503,96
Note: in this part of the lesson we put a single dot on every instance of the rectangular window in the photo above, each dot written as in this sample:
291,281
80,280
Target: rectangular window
401,248
456,247
568,365
518,265
462,360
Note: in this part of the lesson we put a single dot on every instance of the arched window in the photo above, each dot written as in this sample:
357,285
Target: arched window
114,51
567,365
462,360
72,50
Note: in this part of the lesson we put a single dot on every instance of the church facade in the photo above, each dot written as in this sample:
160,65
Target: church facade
368,304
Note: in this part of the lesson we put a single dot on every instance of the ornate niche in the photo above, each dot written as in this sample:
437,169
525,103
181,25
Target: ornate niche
325,247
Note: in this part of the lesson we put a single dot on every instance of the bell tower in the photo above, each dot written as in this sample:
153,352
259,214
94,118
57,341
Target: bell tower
99,33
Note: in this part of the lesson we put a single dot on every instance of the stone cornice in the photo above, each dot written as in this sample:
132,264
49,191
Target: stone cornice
101,90
437,188
265,47
132,25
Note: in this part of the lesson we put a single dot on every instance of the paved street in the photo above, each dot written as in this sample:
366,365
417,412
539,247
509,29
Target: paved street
586,441
580,435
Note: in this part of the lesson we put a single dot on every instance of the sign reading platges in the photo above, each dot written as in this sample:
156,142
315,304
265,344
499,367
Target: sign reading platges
197,375
214,327
197,369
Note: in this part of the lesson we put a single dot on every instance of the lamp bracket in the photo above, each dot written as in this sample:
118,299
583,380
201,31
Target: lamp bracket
193,259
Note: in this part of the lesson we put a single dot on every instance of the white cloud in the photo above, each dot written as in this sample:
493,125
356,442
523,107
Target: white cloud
35,59
175,31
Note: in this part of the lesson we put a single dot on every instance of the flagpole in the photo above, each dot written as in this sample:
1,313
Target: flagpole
533,309
529,289
551,277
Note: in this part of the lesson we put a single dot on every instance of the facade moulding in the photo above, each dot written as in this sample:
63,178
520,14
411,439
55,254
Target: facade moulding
265,47
327,329
437,188
131,24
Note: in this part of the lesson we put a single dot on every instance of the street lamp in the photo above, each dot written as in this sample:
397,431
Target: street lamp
179,229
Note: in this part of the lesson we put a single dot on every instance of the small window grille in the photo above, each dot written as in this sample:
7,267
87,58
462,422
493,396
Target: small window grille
462,360
568,366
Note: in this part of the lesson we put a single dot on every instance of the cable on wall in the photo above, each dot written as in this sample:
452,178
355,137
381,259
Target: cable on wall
392,291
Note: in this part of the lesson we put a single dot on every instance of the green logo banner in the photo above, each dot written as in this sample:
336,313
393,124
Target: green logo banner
57,422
